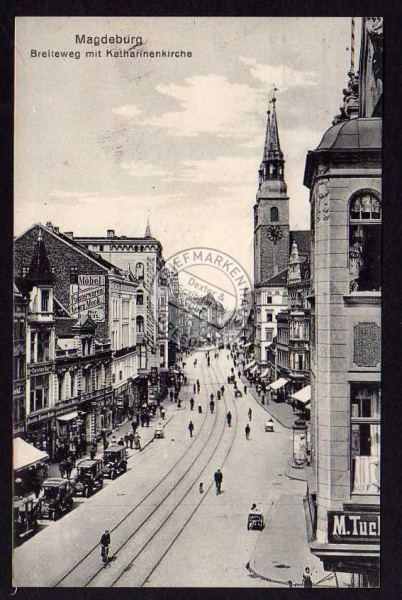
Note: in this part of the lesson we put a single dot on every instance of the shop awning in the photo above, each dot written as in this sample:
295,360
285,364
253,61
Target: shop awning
248,345
276,385
251,364
26,455
68,416
307,405
303,395
254,369
264,374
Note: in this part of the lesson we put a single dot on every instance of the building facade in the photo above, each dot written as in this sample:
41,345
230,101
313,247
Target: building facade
344,177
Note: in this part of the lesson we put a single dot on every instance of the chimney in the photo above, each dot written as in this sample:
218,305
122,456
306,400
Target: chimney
110,233
69,234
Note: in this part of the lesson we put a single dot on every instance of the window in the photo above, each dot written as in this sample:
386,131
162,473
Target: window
39,392
268,335
45,299
140,299
269,317
139,270
365,243
120,375
100,248
274,214
125,309
43,346
365,437
140,324
24,271
74,274
269,299
72,384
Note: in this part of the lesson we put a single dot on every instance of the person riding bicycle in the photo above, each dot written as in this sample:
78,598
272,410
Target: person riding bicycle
105,544
218,480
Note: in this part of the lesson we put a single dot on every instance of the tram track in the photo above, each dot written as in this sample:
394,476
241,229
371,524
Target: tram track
69,577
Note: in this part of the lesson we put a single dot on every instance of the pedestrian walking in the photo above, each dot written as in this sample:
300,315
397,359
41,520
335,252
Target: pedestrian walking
263,400
229,418
223,390
245,390
163,413
131,439
211,406
127,440
191,428
171,395
247,431
147,419
239,374
62,468
134,426
250,414
194,388
69,468
306,580
192,403
218,477
199,409
212,397
105,546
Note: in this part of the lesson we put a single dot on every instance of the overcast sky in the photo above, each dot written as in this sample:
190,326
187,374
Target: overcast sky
103,143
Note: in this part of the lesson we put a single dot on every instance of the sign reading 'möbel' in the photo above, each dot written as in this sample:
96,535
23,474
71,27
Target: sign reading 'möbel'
87,297
353,527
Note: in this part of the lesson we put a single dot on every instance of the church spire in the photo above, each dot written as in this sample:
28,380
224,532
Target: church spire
274,149
272,166
148,233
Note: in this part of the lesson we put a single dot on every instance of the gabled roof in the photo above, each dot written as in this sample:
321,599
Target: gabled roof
280,279
40,271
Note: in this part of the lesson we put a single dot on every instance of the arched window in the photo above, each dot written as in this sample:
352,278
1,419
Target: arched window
365,242
274,214
139,270
140,324
140,298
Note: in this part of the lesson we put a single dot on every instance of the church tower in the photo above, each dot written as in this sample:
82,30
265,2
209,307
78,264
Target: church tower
271,210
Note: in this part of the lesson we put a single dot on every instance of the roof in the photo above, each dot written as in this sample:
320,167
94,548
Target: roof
64,327
40,271
54,482
355,134
279,279
360,134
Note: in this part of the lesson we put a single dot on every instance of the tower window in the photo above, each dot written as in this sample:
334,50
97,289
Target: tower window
365,243
274,214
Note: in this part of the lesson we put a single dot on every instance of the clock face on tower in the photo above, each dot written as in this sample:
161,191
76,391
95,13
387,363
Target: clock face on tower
275,233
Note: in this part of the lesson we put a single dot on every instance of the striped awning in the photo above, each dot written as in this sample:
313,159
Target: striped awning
265,373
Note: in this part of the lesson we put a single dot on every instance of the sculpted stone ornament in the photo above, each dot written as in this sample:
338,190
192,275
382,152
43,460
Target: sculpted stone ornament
374,27
350,106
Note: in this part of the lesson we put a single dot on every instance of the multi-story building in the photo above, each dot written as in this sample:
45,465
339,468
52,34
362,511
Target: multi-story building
94,312
344,177
142,256
20,317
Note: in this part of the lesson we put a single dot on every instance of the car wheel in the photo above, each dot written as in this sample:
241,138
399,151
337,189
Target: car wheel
124,467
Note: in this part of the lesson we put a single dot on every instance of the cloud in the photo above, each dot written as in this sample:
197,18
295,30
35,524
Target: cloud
224,169
282,76
209,105
128,110
143,169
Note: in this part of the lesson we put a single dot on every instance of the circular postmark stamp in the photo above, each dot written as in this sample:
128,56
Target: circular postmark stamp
208,297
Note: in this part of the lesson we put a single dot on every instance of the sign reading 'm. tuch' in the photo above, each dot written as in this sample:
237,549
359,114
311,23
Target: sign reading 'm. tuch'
353,527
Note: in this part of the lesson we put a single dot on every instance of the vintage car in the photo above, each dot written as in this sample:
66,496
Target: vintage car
255,520
269,425
26,515
114,461
57,497
159,432
89,477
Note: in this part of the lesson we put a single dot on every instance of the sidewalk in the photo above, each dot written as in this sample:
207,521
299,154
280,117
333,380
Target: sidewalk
282,411
282,552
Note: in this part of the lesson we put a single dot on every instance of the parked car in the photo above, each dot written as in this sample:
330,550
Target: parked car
115,461
26,515
89,477
57,497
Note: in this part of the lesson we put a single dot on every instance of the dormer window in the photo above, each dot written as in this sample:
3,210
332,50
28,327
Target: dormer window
45,300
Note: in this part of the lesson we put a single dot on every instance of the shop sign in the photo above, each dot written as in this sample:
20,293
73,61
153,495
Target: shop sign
154,376
353,527
87,297
40,417
39,369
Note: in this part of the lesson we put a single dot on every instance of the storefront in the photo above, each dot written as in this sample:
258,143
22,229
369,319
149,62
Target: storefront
278,389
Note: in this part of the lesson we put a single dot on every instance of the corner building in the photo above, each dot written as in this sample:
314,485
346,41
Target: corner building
344,177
